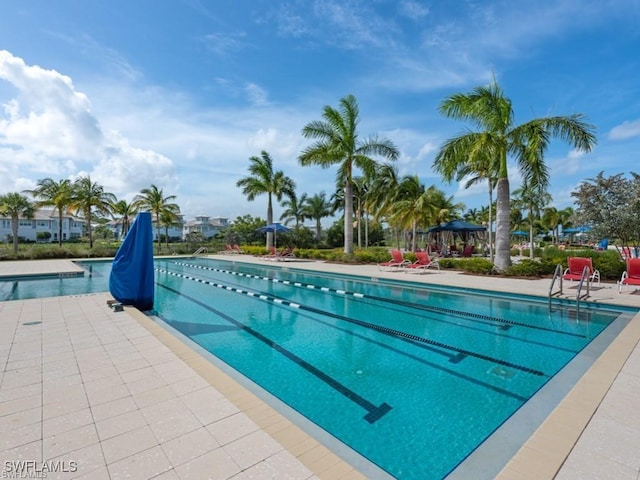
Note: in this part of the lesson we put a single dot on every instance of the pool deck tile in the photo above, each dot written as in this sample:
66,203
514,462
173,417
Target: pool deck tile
125,399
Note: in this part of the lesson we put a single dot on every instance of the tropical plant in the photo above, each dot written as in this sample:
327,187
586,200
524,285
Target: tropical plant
497,138
264,180
16,206
532,198
316,208
58,194
152,199
168,218
338,143
90,197
123,211
294,209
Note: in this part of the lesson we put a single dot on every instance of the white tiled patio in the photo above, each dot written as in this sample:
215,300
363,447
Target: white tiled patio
112,395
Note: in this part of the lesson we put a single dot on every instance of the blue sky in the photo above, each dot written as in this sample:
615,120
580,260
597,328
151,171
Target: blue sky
180,93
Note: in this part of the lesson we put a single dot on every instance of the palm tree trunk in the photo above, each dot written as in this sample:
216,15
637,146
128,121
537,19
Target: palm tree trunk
490,231
318,229
269,222
14,232
503,256
531,236
59,227
414,235
88,215
348,217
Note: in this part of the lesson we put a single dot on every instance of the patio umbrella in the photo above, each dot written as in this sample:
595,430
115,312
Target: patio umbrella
274,228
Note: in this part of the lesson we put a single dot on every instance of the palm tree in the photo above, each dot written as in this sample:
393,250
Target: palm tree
316,208
263,179
338,144
16,206
551,220
123,211
532,198
88,197
411,206
498,138
153,200
58,194
294,209
168,218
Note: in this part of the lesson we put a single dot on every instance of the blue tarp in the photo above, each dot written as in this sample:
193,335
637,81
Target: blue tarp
132,278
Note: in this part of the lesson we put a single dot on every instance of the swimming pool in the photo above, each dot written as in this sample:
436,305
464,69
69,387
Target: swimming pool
412,377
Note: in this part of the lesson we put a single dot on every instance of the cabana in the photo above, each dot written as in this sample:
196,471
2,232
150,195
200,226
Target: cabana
469,233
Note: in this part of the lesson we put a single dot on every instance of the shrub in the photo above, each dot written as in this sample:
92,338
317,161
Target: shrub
526,268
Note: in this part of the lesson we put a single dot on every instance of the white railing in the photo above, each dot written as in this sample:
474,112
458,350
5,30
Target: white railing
199,251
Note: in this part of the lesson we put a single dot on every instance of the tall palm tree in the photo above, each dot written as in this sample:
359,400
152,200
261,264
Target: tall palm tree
381,198
551,221
90,197
294,209
532,198
338,143
263,179
498,138
16,206
123,211
411,206
58,194
168,218
153,200
316,208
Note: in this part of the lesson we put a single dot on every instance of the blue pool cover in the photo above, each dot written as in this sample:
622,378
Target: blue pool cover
131,281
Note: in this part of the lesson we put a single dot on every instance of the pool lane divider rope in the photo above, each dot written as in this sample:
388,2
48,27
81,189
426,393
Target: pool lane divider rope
374,412
428,308
378,328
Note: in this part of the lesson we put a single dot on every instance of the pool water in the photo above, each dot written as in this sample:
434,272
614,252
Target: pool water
412,377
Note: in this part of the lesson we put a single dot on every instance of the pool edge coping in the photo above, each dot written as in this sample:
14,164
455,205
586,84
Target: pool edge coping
545,452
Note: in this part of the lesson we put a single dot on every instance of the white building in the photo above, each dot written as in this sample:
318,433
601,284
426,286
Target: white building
44,220
204,225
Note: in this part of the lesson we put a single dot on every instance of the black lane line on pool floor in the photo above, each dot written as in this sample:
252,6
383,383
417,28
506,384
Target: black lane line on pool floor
378,328
374,412
411,310
489,320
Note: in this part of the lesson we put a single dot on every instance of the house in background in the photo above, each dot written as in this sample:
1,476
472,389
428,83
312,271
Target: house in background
205,226
44,220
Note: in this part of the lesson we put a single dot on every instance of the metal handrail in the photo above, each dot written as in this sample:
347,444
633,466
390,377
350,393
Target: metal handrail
199,251
585,276
556,274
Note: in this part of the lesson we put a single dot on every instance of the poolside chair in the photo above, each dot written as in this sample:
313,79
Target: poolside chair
272,253
228,249
397,261
237,249
285,254
423,261
626,253
467,251
603,245
631,276
576,267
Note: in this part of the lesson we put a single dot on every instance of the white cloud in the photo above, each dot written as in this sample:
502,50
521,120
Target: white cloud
257,95
48,130
413,10
625,130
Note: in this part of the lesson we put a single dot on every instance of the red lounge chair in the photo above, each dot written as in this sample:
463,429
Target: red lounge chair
397,261
237,249
273,253
576,267
423,261
468,251
632,275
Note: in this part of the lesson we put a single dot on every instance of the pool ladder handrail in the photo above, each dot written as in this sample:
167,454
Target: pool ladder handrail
199,251
557,274
586,275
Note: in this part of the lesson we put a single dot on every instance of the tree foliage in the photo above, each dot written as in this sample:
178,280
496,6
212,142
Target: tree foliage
611,207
